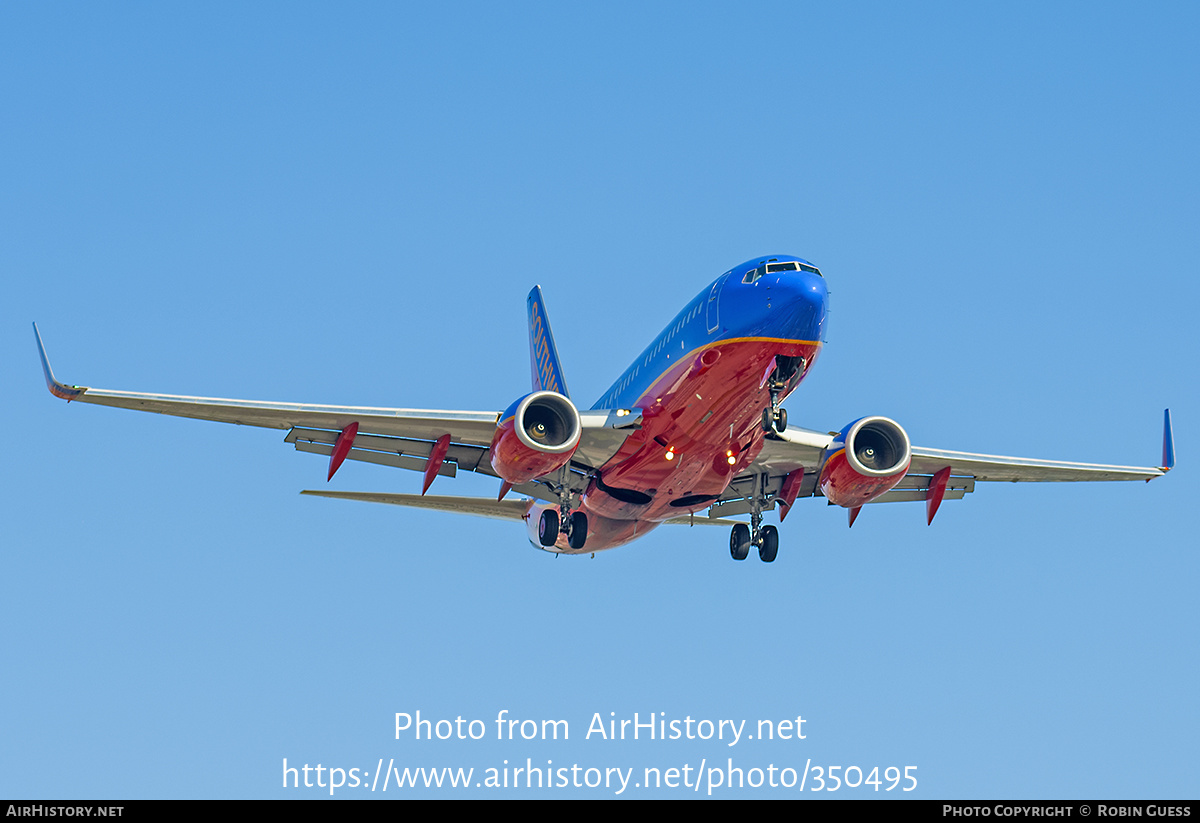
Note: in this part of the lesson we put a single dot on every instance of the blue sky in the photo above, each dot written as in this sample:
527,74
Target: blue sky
318,204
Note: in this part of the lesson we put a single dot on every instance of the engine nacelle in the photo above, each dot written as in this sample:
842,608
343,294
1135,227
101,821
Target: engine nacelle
535,436
866,459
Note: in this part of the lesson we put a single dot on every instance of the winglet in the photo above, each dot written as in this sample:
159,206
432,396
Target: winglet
544,364
57,389
1168,457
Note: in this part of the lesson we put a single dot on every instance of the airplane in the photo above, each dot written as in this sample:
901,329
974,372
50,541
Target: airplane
692,432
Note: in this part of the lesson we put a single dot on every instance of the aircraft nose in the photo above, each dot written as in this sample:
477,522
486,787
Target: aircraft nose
803,304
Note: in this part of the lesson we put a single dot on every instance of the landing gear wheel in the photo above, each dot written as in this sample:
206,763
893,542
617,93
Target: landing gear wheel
739,542
768,545
548,527
776,421
577,530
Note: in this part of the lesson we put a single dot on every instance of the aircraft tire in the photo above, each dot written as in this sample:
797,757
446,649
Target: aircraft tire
739,542
577,534
767,422
769,545
781,421
548,527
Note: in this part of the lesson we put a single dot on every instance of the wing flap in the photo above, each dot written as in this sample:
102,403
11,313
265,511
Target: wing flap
398,461
402,452
921,483
916,496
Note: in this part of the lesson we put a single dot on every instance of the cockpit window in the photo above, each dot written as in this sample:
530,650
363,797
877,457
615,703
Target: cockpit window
771,268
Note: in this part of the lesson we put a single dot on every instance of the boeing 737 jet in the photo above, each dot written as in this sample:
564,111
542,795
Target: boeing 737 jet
691,432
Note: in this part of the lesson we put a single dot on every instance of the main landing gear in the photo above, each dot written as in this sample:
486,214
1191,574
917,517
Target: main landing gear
574,524
767,540
552,522
765,537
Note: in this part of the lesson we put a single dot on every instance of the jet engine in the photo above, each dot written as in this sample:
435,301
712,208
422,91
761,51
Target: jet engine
865,460
535,436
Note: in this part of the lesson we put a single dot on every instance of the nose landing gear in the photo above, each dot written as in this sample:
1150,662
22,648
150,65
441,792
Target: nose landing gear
786,368
774,418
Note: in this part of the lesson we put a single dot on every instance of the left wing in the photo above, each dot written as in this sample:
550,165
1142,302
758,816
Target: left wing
430,441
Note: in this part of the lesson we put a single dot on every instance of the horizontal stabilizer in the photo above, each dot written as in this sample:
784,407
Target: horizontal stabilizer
702,520
480,506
